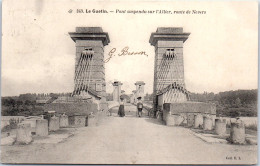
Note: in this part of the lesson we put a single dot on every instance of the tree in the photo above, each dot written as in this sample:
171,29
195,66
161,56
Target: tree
27,102
27,96
9,102
238,102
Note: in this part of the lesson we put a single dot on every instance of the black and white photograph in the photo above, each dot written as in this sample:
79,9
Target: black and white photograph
129,82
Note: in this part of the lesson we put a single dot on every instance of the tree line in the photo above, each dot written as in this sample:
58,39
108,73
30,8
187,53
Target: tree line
228,103
231,103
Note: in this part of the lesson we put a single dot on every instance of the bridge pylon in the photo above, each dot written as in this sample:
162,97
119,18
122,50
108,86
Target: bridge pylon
89,77
169,84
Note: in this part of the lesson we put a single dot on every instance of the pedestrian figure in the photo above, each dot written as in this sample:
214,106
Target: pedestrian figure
139,106
121,110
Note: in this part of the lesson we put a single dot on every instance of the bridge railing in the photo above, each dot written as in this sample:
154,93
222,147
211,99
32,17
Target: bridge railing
112,104
148,105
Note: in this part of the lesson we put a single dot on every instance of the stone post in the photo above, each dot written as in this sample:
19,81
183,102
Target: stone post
213,117
23,133
169,120
64,121
198,122
42,127
207,123
178,119
220,126
80,120
91,120
33,124
71,120
54,123
190,120
237,132
185,117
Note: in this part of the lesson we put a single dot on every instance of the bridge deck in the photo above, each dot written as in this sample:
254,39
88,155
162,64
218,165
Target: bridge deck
130,140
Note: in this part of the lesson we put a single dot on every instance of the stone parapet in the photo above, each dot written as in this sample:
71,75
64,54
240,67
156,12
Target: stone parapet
190,107
80,121
187,112
54,123
42,127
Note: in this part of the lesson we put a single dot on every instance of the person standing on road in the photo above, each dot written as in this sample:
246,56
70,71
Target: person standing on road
139,106
121,110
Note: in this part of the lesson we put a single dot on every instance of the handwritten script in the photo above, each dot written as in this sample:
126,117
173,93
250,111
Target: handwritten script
125,51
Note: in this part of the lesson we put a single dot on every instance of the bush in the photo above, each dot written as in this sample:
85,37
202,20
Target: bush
252,127
236,112
21,106
13,125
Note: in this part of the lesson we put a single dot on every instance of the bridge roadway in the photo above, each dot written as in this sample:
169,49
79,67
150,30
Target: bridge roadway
132,140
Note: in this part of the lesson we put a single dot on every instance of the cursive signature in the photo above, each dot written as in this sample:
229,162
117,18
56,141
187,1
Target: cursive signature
124,51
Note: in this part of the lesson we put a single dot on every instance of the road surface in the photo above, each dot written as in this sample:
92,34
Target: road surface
131,140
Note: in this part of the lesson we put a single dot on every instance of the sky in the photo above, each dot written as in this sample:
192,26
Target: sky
38,55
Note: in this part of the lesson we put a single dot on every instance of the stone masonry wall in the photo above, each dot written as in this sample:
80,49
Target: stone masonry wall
187,110
71,108
190,107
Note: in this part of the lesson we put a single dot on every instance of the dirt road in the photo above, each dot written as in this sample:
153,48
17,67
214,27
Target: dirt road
131,140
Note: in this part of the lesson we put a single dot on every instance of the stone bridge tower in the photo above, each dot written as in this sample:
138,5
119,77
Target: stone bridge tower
140,89
117,90
169,85
89,64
